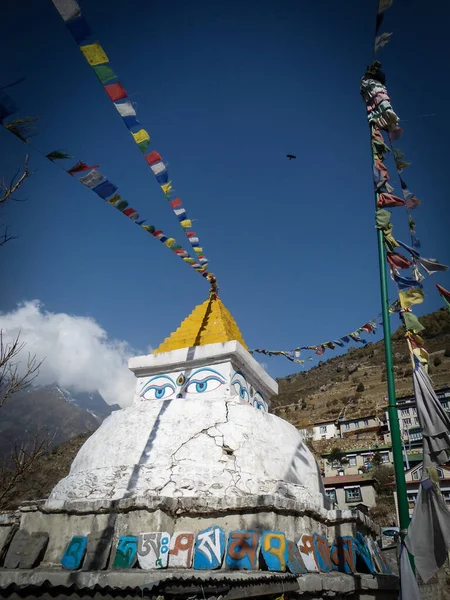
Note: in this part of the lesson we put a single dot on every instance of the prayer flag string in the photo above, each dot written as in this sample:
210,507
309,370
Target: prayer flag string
96,57
90,177
294,355
383,120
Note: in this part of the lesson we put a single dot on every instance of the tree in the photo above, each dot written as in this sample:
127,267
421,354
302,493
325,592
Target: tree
377,459
8,194
14,377
360,387
337,456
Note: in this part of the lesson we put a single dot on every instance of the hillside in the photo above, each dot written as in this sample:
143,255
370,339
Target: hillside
330,389
61,413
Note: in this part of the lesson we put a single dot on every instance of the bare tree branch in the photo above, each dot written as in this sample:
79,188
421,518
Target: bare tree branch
7,192
12,378
21,463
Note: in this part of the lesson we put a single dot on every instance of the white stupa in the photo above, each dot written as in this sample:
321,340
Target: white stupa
199,427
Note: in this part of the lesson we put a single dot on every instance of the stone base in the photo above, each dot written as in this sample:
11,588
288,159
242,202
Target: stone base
62,520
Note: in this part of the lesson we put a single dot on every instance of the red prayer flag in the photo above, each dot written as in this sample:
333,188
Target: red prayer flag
80,167
320,350
115,91
156,233
191,234
387,200
398,260
153,157
443,292
382,168
175,203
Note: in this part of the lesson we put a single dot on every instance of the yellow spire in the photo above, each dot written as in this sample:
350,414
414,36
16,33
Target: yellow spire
208,323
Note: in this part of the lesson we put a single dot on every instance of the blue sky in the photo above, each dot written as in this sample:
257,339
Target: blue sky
225,92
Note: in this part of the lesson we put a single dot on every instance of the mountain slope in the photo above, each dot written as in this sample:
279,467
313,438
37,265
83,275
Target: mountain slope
44,408
330,389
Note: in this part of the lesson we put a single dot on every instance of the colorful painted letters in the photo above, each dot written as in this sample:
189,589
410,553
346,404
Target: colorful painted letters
306,549
245,550
322,553
181,550
274,550
74,553
126,552
295,562
153,550
242,550
209,548
343,554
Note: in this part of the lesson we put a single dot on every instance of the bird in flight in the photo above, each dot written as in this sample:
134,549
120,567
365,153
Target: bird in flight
290,156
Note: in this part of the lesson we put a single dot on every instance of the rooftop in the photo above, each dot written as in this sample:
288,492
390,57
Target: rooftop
347,479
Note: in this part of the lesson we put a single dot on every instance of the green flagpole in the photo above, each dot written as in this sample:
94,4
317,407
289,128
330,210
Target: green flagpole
397,449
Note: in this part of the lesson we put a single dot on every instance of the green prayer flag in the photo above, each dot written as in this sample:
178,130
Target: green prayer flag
412,323
104,73
144,145
382,218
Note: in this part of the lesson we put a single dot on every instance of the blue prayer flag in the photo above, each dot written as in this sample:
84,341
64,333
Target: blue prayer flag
105,189
80,29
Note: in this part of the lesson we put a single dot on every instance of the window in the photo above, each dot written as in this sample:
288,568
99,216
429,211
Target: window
323,429
405,412
335,464
416,421
417,475
446,496
412,499
347,426
366,459
385,457
415,435
356,424
331,494
445,404
352,461
352,493
366,423
414,412
406,421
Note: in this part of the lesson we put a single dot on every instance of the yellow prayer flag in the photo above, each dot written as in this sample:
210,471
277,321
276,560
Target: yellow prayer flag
409,297
141,136
94,54
166,187
169,242
422,355
186,223
198,250
114,200
147,228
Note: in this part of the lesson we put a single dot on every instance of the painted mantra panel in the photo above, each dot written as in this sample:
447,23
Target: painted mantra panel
181,550
306,549
209,548
274,550
153,550
242,550
74,552
245,550
126,552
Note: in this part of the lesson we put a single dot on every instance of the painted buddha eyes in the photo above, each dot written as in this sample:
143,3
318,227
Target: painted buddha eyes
162,387
246,392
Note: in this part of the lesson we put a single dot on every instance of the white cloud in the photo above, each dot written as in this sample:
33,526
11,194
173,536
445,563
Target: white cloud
77,351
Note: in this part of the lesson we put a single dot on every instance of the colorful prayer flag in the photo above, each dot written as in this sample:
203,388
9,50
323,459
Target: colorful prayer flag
91,179
68,9
104,73
105,189
153,157
411,296
125,109
382,40
115,91
80,167
141,136
94,54
79,28
384,5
